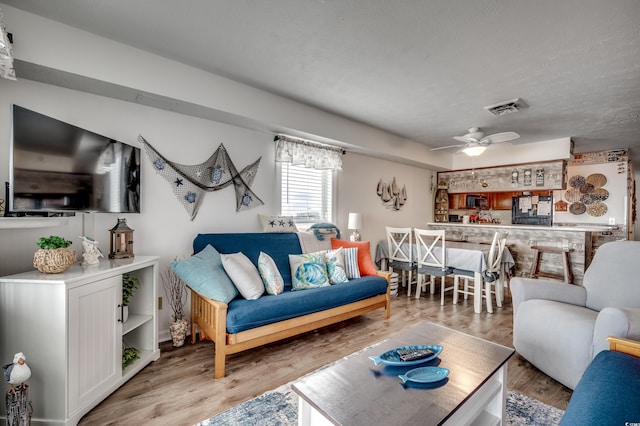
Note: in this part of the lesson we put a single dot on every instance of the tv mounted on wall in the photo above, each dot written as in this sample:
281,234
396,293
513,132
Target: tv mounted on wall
59,167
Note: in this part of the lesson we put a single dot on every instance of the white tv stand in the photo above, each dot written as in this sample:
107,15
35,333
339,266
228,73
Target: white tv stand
69,328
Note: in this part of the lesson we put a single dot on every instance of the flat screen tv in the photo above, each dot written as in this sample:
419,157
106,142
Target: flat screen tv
59,167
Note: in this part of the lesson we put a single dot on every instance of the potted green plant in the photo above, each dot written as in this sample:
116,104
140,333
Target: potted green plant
176,293
53,255
129,355
130,284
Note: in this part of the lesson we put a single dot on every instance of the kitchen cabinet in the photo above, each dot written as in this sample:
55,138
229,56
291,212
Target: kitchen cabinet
70,328
502,200
456,201
459,201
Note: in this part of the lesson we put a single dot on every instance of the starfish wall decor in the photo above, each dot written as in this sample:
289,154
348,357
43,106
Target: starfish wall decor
190,182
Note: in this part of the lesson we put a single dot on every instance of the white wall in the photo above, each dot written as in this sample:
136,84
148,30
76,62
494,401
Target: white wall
357,193
164,228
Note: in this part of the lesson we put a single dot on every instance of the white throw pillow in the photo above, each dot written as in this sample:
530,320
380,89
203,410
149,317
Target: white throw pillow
244,275
271,277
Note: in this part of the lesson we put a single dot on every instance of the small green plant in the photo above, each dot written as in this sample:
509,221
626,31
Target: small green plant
129,286
53,242
129,355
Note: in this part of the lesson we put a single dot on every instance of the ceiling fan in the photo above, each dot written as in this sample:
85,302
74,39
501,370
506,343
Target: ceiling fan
475,142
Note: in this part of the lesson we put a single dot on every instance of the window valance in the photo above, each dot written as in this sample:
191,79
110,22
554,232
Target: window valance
308,154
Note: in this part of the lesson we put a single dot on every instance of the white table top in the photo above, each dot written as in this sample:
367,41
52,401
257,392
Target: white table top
460,255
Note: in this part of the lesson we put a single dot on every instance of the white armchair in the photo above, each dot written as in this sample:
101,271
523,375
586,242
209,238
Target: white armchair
561,327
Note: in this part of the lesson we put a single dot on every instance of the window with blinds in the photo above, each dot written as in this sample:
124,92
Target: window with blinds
306,194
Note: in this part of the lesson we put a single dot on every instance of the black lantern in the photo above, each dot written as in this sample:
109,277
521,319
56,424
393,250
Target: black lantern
121,244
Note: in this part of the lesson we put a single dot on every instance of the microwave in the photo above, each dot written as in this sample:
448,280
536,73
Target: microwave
476,202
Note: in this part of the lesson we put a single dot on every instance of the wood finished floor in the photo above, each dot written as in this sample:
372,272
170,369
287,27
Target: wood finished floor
179,389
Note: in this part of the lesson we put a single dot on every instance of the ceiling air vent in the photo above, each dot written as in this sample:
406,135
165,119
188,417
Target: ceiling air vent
506,107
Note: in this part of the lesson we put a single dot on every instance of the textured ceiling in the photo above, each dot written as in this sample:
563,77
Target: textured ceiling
419,69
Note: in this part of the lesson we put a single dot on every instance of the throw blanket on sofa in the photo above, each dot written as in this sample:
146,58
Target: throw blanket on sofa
310,244
319,229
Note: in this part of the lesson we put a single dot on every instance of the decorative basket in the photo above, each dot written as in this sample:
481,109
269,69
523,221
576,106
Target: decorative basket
54,261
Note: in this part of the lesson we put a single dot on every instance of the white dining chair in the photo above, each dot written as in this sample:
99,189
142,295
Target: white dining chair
400,245
429,262
493,276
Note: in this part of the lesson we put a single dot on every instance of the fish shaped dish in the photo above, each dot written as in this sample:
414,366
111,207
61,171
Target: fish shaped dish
425,375
393,356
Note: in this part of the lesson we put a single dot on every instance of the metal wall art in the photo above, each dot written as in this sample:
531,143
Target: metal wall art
391,195
190,182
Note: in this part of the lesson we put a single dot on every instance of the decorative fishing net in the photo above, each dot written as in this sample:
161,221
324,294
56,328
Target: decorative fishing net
190,182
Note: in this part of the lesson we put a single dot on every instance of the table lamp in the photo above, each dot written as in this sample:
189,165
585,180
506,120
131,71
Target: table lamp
355,223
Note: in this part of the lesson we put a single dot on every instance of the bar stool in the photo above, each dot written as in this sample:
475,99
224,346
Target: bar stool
567,275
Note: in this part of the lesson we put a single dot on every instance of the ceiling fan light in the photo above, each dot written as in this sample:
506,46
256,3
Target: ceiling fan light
474,151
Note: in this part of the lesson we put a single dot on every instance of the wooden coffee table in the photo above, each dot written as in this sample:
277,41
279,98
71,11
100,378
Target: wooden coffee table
353,391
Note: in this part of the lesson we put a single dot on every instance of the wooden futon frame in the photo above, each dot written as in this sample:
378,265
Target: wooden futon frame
211,317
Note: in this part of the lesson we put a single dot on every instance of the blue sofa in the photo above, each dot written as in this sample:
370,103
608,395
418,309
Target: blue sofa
609,391
243,324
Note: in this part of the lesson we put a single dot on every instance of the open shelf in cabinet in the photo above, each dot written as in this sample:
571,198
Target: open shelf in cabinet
134,322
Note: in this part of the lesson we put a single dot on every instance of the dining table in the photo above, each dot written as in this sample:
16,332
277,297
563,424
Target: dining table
461,255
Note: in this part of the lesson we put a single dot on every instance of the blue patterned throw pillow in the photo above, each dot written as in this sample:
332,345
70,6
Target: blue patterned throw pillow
335,266
308,271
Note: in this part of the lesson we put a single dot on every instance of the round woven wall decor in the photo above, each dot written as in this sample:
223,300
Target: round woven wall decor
599,194
576,181
572,195
597,209
587,188
586,199
577,208
597,180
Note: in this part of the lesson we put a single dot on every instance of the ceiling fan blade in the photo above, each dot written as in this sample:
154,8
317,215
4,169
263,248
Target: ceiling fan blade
496,146
500,137
468,138
449,146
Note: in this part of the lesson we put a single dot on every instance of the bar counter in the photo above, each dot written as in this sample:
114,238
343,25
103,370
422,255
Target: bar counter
521,237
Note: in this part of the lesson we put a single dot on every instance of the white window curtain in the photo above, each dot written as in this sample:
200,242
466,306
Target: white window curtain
307,154
6,56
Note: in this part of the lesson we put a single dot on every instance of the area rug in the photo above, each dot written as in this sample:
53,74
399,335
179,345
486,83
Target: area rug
279,407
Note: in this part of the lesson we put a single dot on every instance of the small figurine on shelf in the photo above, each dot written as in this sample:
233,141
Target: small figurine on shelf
91,254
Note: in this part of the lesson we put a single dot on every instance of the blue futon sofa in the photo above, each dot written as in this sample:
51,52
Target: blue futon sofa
243,324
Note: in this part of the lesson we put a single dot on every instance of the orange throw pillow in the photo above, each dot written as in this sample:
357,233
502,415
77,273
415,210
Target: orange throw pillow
365,263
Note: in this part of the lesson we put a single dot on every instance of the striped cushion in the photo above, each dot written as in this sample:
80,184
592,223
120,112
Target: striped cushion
351,262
